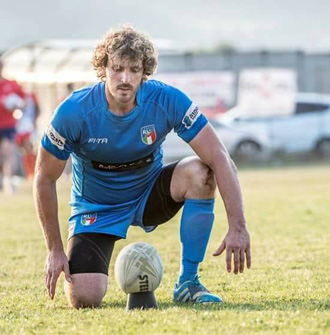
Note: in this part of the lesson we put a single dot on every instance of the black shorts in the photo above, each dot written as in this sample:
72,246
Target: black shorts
91,252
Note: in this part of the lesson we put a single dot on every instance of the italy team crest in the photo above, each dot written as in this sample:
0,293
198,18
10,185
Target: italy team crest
148,134
88,219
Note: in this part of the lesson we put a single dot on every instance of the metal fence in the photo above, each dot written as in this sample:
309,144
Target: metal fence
313,70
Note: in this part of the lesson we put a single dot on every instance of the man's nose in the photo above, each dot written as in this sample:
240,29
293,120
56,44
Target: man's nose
126,76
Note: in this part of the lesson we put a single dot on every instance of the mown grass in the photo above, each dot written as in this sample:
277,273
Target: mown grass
287,291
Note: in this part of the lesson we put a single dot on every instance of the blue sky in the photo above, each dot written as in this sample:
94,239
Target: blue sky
247,24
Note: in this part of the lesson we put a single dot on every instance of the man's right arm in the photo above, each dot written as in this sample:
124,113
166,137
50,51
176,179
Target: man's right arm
48,170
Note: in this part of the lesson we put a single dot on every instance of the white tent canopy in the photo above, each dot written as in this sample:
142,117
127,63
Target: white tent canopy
48,67
58,61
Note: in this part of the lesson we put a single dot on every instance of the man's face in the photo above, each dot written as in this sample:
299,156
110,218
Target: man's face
123,78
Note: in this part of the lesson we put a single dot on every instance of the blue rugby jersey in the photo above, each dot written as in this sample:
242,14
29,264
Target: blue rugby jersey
116,158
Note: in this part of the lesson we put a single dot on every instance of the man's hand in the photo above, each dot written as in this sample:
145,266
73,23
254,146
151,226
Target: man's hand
56,262
237,245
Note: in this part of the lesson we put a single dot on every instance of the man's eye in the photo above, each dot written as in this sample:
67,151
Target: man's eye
116,69
135,69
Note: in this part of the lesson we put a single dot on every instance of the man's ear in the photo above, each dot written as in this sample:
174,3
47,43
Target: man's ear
102,73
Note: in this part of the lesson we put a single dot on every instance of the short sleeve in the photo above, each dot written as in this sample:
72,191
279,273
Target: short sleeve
186,118
63,132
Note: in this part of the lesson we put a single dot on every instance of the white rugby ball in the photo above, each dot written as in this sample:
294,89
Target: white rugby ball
138,268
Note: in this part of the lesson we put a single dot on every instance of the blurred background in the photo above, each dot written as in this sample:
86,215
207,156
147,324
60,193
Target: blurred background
259,70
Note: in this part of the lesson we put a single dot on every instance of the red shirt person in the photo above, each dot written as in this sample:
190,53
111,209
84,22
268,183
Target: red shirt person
11,98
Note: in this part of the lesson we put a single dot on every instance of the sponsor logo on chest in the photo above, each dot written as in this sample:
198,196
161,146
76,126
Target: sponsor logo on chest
148,134
98,140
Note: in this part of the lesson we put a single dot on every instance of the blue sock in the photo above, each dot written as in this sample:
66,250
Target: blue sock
196,225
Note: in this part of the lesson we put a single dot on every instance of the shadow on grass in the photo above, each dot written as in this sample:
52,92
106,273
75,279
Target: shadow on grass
271,305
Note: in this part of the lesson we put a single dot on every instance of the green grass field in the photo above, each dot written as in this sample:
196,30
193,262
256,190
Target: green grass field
287,291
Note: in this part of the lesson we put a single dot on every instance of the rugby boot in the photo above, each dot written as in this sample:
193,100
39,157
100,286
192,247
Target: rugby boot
193,291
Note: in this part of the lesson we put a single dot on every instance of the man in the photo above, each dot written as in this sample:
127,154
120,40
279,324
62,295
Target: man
11,98
113,131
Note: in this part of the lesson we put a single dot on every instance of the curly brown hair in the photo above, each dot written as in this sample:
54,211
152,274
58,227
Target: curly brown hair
125,43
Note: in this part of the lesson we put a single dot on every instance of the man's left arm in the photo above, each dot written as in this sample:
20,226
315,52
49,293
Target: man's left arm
213,153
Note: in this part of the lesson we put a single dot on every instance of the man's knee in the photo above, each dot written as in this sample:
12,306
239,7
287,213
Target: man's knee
193,179
86,290
201,177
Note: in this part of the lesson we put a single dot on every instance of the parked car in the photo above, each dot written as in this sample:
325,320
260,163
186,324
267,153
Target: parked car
307,128
238,141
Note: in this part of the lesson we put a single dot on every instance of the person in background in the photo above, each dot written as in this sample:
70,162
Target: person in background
12,98
26,132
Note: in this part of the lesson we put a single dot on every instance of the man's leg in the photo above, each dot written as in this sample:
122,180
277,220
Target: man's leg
196,225
89,257
86,289
28,156
7,150
193,182
190,183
